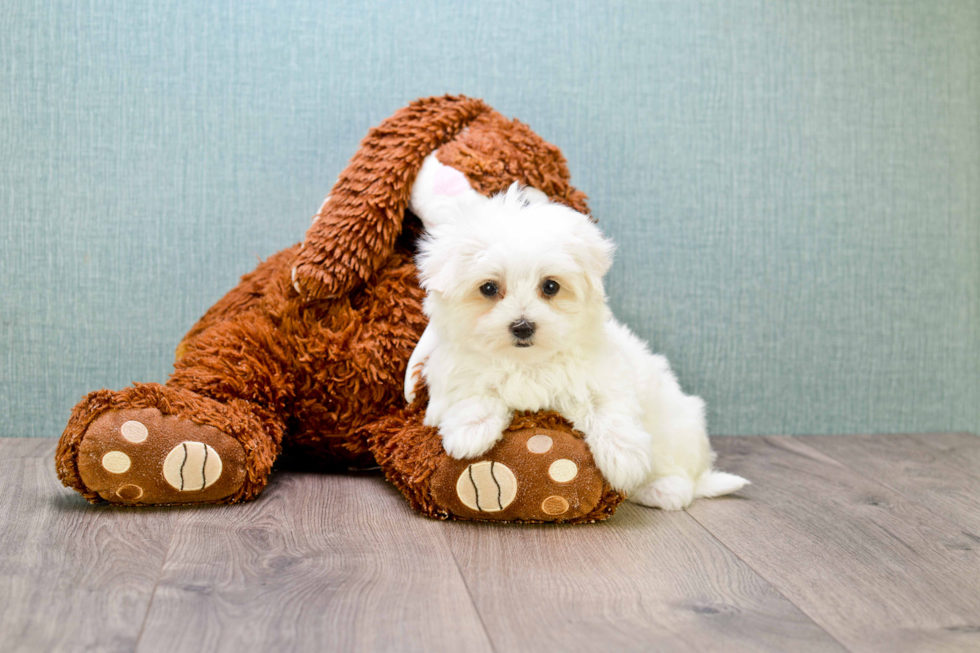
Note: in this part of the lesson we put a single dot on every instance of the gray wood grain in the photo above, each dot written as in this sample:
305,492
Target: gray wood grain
645,580
869,542
960,450
72,576
876,570
320,563
925,473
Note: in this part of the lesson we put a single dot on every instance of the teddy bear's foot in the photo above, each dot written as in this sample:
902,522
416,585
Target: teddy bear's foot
140,456
532,474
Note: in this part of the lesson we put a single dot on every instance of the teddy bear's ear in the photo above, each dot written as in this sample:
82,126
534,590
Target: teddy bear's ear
356,228
441,193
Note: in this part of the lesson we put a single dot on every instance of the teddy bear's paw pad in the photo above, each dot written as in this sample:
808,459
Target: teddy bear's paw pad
486,486
534,474
140,456
192,466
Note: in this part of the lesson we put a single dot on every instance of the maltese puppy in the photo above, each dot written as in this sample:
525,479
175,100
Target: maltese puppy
519,321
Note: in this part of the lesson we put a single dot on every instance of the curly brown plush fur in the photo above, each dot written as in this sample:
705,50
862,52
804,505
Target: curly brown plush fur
412,458
308,352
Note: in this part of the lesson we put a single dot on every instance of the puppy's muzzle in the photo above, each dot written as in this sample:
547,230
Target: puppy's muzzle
522,330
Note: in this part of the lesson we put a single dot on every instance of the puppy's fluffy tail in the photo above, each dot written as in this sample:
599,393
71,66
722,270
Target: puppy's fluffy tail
714,484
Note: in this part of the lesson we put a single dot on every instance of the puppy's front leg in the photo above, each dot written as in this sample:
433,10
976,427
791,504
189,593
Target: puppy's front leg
426,345
471,427
620,446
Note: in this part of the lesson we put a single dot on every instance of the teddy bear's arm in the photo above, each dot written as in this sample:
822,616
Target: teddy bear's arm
355,231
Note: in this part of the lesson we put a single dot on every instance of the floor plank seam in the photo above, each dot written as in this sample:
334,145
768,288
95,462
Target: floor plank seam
768,582
469,593
156,585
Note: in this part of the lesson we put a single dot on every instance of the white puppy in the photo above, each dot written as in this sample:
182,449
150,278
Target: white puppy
519,321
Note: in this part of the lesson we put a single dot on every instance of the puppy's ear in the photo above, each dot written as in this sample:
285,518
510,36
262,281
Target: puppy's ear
438,259
441,193
519,196
535,196
593,251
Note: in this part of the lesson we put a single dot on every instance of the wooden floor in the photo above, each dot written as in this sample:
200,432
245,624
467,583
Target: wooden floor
862,543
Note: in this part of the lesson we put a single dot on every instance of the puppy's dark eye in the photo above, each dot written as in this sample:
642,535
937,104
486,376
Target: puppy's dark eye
489,289
550,287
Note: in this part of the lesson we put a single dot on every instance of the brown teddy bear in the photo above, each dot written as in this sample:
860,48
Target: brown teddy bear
308,354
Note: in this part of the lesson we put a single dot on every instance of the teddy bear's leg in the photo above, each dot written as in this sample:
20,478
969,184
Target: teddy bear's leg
540,471
210,435
151,444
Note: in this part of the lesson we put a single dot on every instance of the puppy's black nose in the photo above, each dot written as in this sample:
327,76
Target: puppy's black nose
522,329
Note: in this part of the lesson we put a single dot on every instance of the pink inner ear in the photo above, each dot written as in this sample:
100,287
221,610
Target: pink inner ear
449,181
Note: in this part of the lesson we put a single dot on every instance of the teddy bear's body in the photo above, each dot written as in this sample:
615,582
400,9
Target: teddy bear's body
323,371
308,355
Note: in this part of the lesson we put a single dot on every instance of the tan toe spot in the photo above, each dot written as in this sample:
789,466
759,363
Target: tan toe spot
486,486
554,505
539,443
563,470
129,492
134,431
192,466
116,462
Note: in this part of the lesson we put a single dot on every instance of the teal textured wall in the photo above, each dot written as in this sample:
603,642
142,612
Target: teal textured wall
795,186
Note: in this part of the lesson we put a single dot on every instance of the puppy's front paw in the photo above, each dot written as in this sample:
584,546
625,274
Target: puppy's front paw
624,460
471,427
467,443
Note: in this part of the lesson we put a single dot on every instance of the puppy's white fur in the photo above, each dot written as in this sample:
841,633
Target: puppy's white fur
647,437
